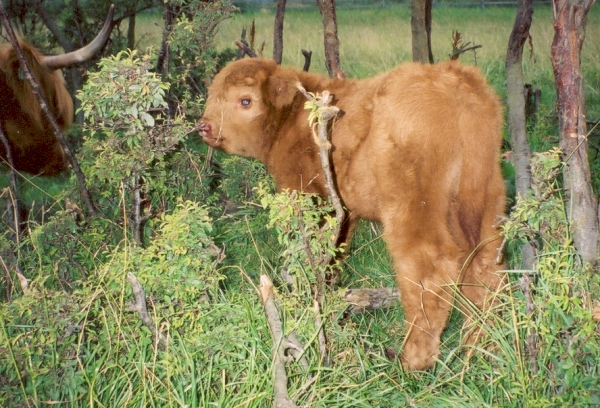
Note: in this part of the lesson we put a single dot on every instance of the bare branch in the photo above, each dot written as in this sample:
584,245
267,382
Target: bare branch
281,398
525,284
327,113
307,59
321,333
305,241
458,47
14,186
20,275
362,300
246,49
139,219
241,53
140,307
297,351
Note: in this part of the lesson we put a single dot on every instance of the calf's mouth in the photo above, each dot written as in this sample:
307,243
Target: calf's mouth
206,132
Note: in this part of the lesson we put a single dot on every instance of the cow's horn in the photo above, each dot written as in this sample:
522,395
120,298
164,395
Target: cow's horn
85,53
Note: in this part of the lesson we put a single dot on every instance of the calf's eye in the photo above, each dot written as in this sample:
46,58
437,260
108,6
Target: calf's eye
245,102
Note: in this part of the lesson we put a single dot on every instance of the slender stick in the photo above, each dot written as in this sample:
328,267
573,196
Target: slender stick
14,202
140,307
531,342
326,114
307,60
281,398
245,48
14,185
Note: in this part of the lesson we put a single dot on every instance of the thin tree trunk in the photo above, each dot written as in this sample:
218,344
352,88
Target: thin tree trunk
331,40
569,33
278,33
76,84
164,55
131,32
75,75
420,23
162,61
515,85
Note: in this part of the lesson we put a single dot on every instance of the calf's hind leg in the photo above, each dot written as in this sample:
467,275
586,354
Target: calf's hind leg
427,267
479,285
481,280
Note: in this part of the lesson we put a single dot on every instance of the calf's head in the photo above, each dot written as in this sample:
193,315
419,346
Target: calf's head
246,102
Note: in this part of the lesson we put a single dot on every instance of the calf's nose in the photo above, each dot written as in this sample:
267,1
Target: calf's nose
204,127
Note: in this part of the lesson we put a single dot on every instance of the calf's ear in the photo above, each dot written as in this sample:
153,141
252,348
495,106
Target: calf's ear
282,87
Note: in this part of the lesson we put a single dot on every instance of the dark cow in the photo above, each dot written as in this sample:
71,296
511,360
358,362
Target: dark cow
32,142
416,149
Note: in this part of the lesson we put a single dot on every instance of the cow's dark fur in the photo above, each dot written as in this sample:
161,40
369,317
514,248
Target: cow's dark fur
34,147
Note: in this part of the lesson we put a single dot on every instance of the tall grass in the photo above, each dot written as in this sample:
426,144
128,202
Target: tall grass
375,40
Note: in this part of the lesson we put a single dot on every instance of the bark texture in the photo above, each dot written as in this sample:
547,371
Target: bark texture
278,32
420,23
131,33
364,299
569,33
331,40
516,103
516,95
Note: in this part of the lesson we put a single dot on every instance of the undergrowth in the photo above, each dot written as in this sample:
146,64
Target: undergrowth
82,344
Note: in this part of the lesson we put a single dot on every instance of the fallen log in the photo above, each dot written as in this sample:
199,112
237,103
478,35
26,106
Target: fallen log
361,300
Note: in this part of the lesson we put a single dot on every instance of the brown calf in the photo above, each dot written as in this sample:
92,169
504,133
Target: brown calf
416,149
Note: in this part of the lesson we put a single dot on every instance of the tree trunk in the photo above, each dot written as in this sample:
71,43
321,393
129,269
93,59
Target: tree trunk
131,32
420,23
75,76
521,152
164,55
162,61
331,40
569,26
278,36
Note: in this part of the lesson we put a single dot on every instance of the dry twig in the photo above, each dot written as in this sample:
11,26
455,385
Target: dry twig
140,307
281,398
362,299
14,186
458,47
326,114
307,60
246,49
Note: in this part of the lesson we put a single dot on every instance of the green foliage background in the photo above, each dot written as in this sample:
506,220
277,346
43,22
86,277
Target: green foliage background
211,229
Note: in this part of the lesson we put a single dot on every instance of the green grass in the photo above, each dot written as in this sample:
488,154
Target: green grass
377,39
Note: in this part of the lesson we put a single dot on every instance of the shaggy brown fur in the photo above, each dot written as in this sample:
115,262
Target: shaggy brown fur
34,147
415,149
